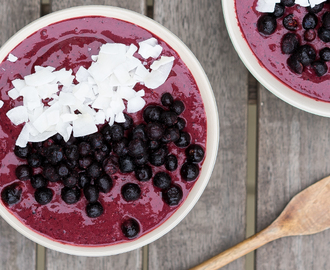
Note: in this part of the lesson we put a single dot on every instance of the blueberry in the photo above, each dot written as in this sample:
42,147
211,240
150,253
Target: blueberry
171,134
167,99
34,160
154,131
309,21
91,193
320,67
84,148
294,64
137,147
195,153
290,43
130,228
279,10
38,181
316,8
287,3
128,122
72,140
85,162
43,195
71,152
102,153
116,132
177,107
162,180
184,140
111,165
72,164
94,210
141,160
143,173
11,194
266,24
326,20
57,138
157,157
83,180
152,113
310,35
290,22
153,145
54,154
325,54
71,180
63,170
50,173
324,34
23,172
22,152
106,133
126,164
172,196
70,195
305,54
131,192
169,118
120,147
189,171
139,133
171,163
180,124
94,170
96,140
104,183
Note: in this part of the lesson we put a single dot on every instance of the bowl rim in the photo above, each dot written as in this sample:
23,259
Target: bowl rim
267,79
210,105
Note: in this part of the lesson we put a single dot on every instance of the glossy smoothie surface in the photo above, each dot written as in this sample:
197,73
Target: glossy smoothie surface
70,44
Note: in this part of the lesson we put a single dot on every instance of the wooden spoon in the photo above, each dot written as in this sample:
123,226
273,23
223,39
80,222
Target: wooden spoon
307,213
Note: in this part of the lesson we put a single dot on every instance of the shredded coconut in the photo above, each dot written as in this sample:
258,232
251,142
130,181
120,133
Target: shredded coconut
97,98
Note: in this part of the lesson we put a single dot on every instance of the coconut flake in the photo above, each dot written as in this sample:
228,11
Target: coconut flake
13,93
18,115
157,77
12,58
84,125
1,103
135,104
150,48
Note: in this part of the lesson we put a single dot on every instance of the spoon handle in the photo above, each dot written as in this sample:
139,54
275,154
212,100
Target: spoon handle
263,237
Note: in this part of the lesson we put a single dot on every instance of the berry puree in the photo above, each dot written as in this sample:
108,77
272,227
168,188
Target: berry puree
311,79
70,44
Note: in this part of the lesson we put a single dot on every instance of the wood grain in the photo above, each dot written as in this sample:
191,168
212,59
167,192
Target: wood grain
217,222
15,249
131,260
293,151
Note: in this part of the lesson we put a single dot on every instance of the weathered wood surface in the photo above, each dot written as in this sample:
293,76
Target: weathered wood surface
218,220
294,147
16,250
131,260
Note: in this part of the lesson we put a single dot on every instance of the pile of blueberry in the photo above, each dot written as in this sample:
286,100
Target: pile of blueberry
300,55
85,165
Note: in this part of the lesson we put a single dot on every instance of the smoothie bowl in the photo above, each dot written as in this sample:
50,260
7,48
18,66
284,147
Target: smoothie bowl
109,131
283,44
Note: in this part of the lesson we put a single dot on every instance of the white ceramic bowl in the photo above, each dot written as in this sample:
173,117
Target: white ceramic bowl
267,79
212,126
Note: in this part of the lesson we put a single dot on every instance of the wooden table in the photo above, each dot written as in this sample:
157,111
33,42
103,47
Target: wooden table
293,149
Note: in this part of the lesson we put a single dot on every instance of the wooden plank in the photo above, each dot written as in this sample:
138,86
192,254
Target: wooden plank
218,220
293,153
16,251
131,260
